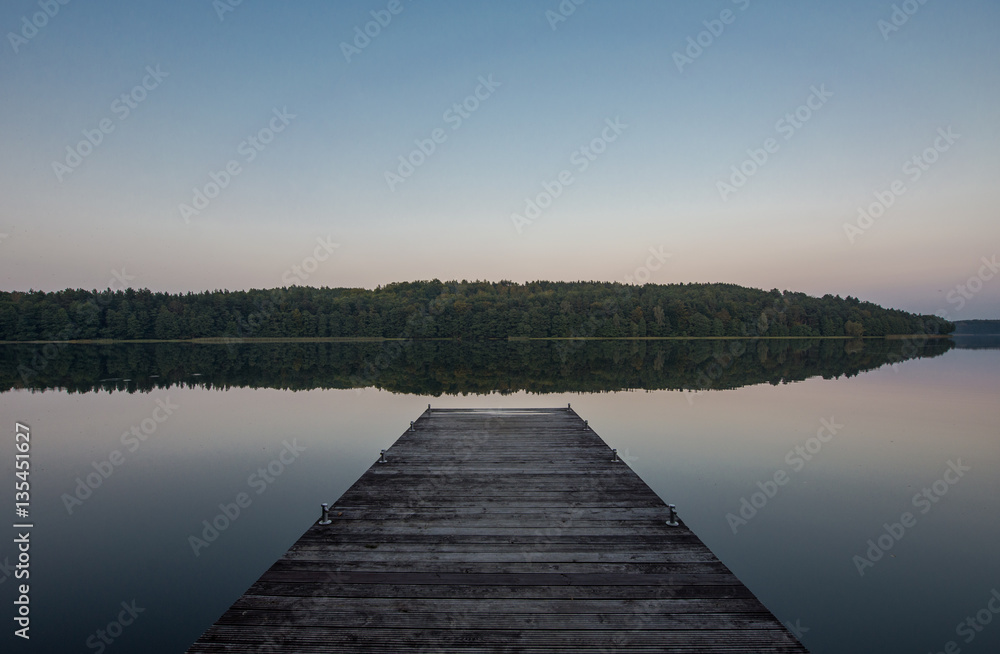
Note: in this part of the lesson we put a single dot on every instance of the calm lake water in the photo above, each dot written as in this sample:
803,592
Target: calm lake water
897,418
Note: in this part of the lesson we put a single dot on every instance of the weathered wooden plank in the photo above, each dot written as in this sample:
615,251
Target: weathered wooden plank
328,587
451,511
480,552
544,538
322,639
517,579
528,564
496,531
492,606
269,615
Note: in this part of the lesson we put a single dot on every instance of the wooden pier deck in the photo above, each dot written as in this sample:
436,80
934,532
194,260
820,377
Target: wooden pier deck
498,531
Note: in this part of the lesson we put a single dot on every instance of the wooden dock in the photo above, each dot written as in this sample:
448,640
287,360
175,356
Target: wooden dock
498,531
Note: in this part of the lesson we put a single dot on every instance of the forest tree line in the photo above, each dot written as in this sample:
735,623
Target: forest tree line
468,310
978,327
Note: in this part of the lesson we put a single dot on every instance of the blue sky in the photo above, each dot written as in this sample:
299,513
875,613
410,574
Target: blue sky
686,115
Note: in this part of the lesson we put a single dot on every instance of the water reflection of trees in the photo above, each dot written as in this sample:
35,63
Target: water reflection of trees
450,367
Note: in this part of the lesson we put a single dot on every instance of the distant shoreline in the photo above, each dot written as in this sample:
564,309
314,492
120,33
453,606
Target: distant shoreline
224,340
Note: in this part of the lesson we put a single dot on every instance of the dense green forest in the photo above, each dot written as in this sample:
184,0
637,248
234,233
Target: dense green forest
450,367
468,310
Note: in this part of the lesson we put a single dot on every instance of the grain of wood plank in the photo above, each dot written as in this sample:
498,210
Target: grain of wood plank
492,530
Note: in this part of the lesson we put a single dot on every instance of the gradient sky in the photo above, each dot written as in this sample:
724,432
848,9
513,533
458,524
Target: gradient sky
654,186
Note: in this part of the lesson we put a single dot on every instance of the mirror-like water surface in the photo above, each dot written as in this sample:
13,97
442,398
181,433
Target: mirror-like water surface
121,481
449,367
